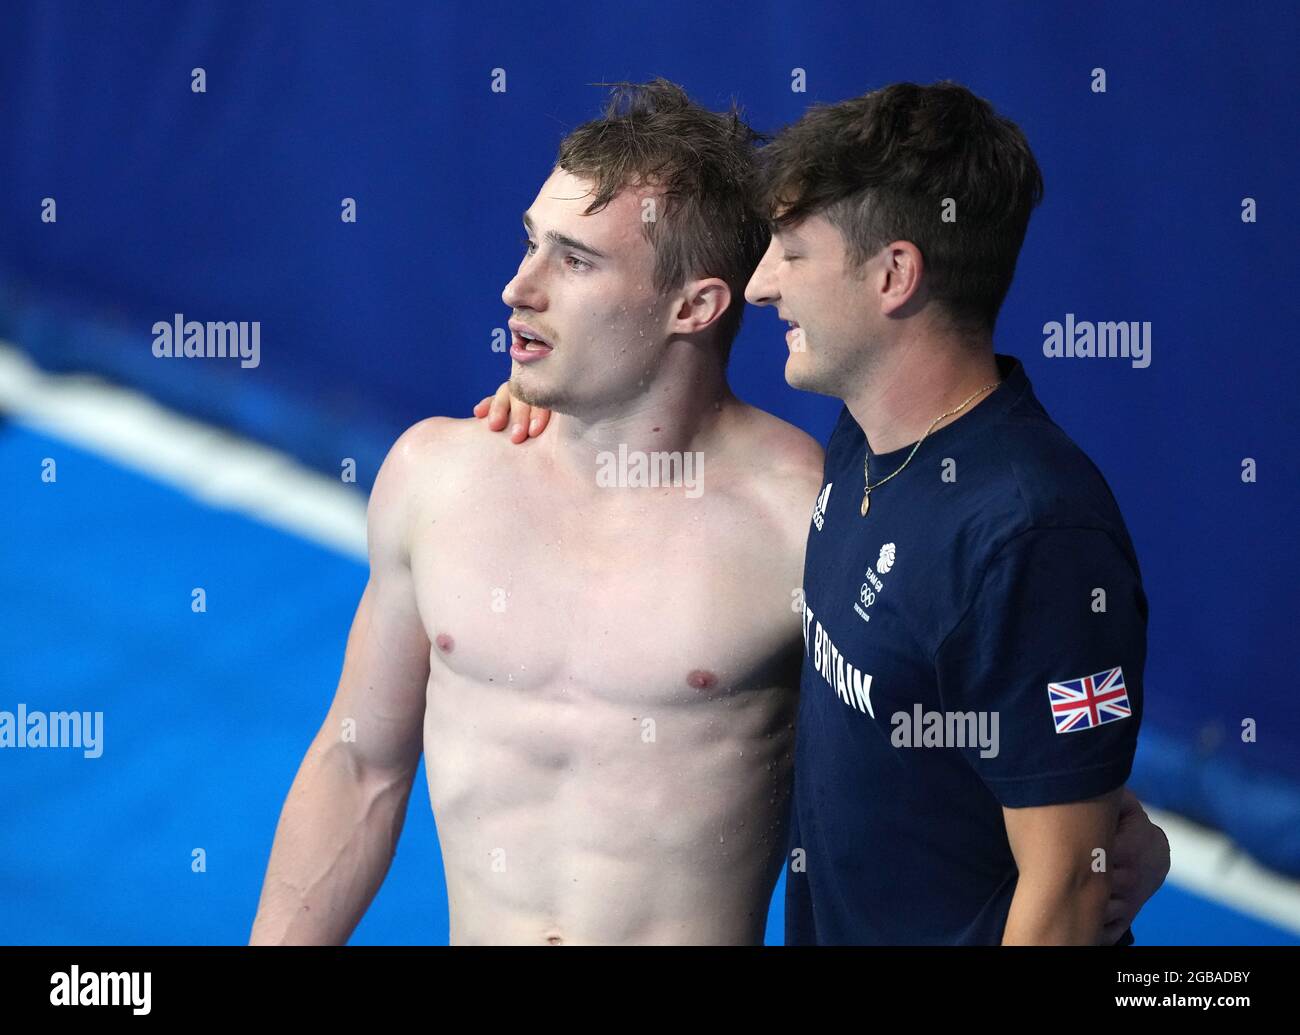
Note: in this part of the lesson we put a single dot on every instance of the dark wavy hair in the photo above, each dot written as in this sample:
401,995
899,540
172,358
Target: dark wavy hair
880,166
700,163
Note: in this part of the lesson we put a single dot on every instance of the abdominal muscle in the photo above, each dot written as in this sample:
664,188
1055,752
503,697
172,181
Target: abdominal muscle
568,815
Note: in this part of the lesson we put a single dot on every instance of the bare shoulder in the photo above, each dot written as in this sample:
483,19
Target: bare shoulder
431,455
787,466
437,447
411,459
792,458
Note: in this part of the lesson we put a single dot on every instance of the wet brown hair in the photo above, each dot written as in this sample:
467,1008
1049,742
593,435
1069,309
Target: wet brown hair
700,163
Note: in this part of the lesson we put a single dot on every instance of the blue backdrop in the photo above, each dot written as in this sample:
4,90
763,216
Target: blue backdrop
225,205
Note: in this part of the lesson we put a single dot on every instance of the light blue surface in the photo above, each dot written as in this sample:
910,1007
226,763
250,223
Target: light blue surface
206,716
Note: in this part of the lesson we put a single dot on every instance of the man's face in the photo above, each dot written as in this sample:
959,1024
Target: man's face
585,286
805,273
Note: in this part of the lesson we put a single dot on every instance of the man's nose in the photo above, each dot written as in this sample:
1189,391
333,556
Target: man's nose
523,291
761,289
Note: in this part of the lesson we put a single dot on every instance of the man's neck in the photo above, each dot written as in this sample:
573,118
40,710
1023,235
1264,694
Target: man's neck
903,392
684,409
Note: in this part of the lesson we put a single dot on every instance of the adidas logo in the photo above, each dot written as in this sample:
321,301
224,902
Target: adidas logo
819,508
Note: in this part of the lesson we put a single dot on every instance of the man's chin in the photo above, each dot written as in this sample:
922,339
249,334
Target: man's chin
523,389
800,374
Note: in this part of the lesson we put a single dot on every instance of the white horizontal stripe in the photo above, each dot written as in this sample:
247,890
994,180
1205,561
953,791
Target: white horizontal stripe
216,466
1212,865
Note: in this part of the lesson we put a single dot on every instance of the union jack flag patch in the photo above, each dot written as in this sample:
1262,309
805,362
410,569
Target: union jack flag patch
1080,704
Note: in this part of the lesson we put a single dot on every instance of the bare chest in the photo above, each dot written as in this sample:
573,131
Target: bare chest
666,602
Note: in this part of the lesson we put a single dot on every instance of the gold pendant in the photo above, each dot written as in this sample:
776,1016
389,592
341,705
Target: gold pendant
866,502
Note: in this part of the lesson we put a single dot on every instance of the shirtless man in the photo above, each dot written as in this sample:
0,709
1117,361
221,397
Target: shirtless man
602,679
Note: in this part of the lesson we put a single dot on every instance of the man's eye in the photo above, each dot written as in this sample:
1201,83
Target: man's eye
528,244
582,263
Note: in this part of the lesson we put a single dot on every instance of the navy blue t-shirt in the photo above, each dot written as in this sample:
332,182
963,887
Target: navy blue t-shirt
976,641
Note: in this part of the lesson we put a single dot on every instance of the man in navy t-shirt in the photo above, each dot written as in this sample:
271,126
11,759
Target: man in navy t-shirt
974,618
975,644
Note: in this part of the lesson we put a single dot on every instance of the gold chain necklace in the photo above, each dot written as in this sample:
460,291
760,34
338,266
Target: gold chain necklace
866,478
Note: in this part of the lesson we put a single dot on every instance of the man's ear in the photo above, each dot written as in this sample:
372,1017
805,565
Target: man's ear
900,281
700,305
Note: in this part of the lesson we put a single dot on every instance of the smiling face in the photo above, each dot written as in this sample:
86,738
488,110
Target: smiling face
806,274
585,287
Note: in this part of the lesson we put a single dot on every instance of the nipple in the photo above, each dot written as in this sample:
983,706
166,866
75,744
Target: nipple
701,679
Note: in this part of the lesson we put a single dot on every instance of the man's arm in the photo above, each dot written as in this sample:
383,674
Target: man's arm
1064,881
339,826
1140,865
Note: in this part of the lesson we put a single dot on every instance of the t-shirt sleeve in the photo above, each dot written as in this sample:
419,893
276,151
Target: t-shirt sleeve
1052,649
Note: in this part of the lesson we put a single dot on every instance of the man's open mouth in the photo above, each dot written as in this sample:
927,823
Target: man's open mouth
526,344
533,344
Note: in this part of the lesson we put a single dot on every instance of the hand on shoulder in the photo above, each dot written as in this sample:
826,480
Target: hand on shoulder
503,410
